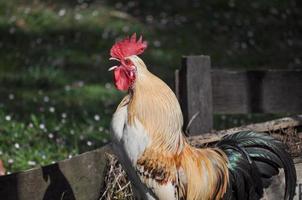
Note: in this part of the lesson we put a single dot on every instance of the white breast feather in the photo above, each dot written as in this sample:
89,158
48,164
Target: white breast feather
133,139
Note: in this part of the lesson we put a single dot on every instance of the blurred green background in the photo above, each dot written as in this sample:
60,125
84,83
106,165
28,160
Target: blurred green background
56,96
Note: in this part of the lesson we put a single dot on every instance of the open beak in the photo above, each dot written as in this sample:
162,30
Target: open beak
114,59
112,68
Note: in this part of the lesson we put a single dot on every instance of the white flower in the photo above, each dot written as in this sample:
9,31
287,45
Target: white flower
46,99
108,85
81,83
17,146
62,12
89,143
50,135
42,126
31,163
95,13
12,19
67,88
12,30
52,109
63,115
78,16
11,96
27,10
8,117
125,29
96,117
157,43
10,161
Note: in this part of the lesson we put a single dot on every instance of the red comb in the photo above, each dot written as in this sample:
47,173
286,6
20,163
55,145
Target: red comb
128,47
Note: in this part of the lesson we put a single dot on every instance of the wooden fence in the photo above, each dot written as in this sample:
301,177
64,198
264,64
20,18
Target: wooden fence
204,91
82,177
199,89
78,178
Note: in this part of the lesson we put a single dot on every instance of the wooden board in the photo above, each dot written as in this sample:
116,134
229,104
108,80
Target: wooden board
229,92
270,91
269,126
80,178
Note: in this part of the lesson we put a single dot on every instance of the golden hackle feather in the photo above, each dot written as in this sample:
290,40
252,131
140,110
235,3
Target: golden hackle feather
205,173
164,129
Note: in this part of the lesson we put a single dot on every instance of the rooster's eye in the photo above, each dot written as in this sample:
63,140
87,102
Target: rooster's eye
127,62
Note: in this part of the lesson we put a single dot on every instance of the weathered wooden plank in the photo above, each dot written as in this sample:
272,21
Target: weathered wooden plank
269,126
230,94
195,93
282,92
271,91
80,178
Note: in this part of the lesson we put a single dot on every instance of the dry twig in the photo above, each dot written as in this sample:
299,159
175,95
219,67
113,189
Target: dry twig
117,185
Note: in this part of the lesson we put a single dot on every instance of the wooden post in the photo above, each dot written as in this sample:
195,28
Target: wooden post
195,94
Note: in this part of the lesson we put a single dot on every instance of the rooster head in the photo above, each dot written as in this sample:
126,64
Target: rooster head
125,72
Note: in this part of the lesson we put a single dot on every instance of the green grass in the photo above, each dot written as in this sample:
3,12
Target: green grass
46,117
46,126
44,141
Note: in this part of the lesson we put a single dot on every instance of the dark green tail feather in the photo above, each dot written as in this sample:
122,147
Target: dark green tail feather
253,159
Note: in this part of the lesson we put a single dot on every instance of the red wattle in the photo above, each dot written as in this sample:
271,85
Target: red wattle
121,79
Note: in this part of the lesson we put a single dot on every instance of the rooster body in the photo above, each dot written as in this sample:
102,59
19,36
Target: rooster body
148,138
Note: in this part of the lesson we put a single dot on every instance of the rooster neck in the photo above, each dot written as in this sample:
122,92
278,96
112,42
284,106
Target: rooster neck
154,104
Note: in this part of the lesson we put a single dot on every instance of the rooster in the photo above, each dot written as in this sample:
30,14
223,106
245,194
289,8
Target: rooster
150,144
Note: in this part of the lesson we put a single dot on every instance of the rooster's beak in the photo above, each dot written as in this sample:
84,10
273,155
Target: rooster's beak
114,59
112,68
